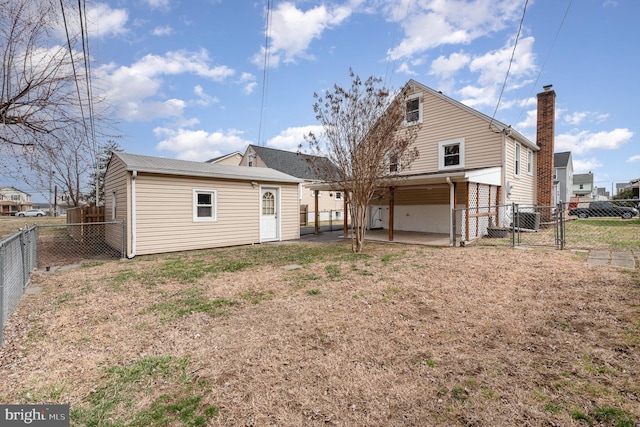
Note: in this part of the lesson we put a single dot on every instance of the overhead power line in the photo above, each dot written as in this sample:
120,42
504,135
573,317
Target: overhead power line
515,45
265,70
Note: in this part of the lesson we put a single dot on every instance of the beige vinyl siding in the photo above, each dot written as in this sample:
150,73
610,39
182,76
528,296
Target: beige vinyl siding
290,212
164,212
522,186
444,121
116,180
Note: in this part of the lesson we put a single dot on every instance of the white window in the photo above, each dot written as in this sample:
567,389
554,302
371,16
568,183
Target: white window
338,195
250,160
516,162
555,174
414,109
204,205
393,163
529,161
451,154
313,193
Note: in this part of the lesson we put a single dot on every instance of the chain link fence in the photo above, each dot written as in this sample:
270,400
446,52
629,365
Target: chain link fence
602,225
331,220
592,225
18,255
66,244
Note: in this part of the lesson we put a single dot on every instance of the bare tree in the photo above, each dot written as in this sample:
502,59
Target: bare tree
366,142
99,171
38,92
47,113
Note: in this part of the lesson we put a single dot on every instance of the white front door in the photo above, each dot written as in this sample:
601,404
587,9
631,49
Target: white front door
269,214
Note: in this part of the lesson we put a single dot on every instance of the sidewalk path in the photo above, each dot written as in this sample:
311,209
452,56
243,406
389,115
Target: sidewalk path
615,259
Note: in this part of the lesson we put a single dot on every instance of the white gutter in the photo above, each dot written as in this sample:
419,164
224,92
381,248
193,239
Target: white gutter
452,198
134,174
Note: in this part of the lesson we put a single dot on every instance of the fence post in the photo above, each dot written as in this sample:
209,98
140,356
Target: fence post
453,224
513,224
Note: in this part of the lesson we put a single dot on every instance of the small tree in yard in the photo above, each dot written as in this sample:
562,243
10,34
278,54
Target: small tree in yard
366,142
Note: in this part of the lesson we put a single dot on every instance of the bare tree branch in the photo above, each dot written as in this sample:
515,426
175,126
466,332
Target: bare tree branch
366,142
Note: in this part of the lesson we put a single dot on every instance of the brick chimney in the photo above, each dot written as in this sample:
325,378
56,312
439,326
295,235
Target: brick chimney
545,132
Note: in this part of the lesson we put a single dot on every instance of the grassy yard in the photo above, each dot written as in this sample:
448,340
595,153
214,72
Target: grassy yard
11,224
312,335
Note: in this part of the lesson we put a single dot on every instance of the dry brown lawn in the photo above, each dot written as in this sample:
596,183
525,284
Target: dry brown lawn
400,336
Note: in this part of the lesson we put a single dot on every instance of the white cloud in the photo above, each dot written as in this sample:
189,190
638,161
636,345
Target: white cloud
434,23
132,88
248,83
101,21
292,30
291,138
576,118
530,121
199,145
586,165
162,31
634,159
493,65
446,67
158,4
203,98
585,141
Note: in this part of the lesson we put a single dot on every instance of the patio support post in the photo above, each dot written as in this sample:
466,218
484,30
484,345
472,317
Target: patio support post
316,225
392,193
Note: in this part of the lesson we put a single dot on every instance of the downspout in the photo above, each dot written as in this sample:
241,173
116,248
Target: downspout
452,199
134,174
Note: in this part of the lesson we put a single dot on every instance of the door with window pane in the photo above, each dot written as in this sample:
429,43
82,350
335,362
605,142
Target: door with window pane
269,214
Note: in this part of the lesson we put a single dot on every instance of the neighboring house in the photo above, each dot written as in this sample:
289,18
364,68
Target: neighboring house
622,186
231,159
563,174
64,203
13,200
177,205
301,166
583,185
466,160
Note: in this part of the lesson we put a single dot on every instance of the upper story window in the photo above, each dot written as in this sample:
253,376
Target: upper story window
451,154
555,174
250,160
414,109
393,163
204,205
338,195
516,159
530,161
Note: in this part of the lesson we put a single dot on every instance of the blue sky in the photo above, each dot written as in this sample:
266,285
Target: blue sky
186,78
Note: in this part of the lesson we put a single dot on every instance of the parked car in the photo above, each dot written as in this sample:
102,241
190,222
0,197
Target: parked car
604,209
31,212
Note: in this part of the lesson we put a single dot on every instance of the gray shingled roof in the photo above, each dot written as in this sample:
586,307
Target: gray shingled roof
136,162
295,164
561,160
583,178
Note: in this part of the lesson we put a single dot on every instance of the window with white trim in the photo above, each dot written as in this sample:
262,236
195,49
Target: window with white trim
204,205
414,109
516,159
393,163
555,174
529,161
250,160
451,154
338,195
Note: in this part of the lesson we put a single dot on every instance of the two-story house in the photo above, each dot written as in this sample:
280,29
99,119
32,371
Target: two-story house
13,200
466,160
563,175
583,185
303,166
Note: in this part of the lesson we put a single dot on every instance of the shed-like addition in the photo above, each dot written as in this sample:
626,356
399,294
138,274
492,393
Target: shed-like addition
176,205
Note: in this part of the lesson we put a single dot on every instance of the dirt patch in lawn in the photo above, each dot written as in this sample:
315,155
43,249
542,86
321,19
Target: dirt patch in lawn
309,334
